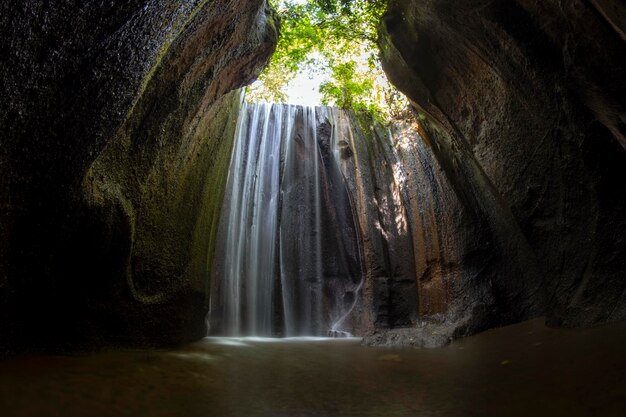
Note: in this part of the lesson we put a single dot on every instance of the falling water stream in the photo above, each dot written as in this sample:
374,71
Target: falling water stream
288,261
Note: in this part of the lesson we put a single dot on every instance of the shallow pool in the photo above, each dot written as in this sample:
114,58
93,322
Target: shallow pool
523,370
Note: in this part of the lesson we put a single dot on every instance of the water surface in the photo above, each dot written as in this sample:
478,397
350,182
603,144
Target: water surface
523,370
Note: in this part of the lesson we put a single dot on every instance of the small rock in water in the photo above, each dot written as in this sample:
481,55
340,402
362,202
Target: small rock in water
338,334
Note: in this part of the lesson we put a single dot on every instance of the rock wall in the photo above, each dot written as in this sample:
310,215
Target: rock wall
522,202
372,170
116,133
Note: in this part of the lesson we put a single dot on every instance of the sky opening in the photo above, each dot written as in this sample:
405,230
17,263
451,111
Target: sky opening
328,55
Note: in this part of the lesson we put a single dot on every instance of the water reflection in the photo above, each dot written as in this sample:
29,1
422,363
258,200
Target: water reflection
523,370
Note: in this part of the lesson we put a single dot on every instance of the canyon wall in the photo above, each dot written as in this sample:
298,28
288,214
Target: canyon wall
523,202
116,128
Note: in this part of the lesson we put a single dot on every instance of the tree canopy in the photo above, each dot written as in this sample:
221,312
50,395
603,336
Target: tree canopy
335,38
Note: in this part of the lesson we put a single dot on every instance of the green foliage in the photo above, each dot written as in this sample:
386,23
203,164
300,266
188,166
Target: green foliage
346,88
334,37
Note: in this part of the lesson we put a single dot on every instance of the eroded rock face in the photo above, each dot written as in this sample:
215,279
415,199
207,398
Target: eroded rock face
116,133
523,202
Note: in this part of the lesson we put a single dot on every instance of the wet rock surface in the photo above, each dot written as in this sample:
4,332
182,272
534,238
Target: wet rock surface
369,164
519,188
425,334
116,134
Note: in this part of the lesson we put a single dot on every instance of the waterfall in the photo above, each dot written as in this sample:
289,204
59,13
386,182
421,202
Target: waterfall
288,260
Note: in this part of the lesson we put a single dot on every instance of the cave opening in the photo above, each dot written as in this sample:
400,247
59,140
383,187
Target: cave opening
328,54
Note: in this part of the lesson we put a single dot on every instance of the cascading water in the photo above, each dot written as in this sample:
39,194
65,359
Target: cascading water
288,260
